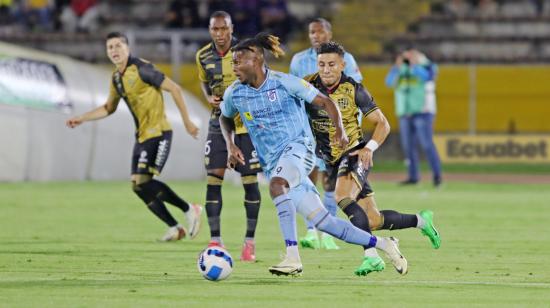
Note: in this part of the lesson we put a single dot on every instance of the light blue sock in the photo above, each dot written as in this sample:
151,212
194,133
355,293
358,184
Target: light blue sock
287,218
330,203
343,230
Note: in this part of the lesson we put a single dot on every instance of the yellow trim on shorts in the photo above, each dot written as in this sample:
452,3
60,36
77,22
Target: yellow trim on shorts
212,180
249,179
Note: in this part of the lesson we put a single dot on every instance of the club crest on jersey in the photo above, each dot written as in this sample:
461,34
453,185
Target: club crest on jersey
248,116
272,95
343,102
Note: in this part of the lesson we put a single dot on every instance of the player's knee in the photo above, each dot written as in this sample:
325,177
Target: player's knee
278,186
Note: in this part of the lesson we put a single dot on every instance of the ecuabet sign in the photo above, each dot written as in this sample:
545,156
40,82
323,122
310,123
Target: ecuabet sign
493,148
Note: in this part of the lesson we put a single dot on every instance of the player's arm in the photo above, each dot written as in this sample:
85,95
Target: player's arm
175,91
100,112
228,112
304,90
213,100
334,114
374,116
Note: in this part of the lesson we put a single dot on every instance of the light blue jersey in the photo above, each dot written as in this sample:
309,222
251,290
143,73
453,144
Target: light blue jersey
305,63
274,114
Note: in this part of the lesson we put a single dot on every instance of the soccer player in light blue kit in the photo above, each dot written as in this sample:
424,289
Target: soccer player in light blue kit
271,105
302,64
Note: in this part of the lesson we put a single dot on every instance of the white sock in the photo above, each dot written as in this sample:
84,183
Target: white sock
371,252
421,222
325,235
292,253
381,243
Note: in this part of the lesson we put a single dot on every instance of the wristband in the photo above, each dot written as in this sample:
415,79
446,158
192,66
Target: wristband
372,145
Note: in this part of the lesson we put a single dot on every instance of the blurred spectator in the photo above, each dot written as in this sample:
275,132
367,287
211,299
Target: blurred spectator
457,8
35,14
5,11
220,5
539,6
81,16
413,78
246,18
183,14
275,18
487,8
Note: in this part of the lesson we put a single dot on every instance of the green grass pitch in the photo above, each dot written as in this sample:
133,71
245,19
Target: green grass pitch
92,244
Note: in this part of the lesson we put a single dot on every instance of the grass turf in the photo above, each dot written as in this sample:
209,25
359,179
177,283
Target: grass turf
93,244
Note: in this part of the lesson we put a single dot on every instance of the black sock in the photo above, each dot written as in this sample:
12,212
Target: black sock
166,194
252,200
394,220
214,208
356,215
155,205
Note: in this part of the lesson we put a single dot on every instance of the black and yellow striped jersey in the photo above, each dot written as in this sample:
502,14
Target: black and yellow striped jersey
139,86
216,70
352,99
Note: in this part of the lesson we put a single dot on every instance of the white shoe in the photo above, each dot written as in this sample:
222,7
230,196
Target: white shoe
395,256
194,220
174,233
288,267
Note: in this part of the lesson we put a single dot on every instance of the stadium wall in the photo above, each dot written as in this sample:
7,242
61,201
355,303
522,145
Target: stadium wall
40,91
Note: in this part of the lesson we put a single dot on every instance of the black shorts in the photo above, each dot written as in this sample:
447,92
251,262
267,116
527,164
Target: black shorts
150,156
215,154
350,165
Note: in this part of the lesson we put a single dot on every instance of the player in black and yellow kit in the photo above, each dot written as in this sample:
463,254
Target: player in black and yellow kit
214,63
140,85
348,168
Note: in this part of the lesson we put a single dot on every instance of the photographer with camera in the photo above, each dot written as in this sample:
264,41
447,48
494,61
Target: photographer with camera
413,79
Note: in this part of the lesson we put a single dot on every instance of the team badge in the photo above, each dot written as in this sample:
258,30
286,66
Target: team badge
248,116
343,103
272,95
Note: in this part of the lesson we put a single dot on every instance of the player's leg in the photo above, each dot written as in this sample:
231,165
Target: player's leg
407,144
165,193
423,124
393,220
215,159
292,170
327,241
143,168
294,165
252,197
310,206
346,191
311,239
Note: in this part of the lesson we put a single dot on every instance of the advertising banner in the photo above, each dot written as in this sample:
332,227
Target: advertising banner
493,148
31,83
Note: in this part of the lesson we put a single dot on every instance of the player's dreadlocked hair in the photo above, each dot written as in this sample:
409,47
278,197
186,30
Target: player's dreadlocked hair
331,47
262,40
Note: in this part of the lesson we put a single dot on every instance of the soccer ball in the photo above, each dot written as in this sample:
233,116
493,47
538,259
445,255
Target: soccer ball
215,263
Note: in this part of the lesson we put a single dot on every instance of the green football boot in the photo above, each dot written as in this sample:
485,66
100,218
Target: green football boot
429,229
369,265
311,240
327,242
